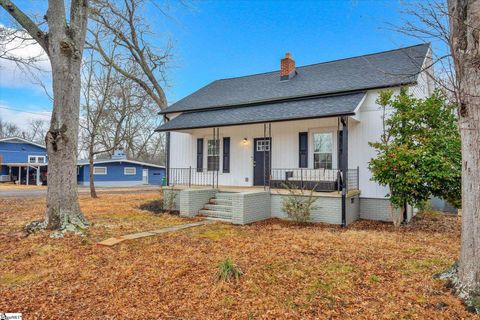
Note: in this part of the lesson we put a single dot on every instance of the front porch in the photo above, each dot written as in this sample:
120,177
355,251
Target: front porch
261,161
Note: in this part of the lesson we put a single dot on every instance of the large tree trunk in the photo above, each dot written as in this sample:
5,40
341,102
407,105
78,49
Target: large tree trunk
63,210
465,35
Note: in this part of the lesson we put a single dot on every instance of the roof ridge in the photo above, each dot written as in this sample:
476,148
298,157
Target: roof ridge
324,62
23,140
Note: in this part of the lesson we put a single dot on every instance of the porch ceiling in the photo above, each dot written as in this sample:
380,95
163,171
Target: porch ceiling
320,107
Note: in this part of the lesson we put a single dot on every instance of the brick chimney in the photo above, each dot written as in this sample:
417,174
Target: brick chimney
287,67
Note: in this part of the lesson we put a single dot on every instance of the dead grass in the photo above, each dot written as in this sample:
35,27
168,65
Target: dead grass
13,186
368,271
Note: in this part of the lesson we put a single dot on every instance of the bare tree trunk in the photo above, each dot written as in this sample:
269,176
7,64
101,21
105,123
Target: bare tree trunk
465,34
93,193
63,210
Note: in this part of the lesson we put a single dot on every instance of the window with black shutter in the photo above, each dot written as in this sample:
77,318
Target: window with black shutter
226,155
199,155
303,149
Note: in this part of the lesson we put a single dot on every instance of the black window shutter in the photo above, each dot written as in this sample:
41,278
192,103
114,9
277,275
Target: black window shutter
199,155
226,155
303,149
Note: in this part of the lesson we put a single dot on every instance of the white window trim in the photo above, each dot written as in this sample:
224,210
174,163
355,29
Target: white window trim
220,150
129,174
311,132
36,159
99,174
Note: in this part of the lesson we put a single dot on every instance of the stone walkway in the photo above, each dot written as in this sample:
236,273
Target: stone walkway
113,241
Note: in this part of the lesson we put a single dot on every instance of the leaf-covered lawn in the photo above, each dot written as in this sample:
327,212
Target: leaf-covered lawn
367,271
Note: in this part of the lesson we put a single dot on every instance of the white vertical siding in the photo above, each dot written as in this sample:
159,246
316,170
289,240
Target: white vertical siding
369,129
181,145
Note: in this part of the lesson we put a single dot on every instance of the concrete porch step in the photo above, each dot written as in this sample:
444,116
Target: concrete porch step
219,219
224,195
216,214
218,207
221,201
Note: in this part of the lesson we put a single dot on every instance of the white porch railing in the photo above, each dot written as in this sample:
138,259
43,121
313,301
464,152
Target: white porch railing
193,177
317,179
313,179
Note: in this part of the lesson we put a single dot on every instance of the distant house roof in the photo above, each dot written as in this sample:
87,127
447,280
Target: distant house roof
379,70
99,161
21,140
326,106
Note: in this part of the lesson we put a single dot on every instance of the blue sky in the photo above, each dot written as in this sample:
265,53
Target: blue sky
221,39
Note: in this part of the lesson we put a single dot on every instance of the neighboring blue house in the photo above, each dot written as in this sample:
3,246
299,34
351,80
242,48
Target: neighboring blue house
120,172
23,161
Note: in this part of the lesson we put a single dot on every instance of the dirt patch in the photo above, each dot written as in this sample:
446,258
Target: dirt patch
155,206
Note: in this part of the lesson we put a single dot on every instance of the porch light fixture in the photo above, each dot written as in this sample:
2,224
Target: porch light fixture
245,140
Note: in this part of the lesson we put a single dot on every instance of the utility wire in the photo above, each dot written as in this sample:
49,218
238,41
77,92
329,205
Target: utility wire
32,112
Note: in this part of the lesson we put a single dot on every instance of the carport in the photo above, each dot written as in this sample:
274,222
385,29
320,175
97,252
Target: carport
27,173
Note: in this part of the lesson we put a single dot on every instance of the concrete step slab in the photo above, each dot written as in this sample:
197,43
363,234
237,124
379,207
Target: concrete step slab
219,207
219,201
216,214
224,195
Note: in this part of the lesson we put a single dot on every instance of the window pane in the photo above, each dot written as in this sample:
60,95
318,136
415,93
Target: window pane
212,163
31,159
213,147
322,150
130,171
322,142
41,159
99,170
263,145
325,160
316,161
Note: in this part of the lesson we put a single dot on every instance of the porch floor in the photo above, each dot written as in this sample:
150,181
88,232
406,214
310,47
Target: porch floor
259,189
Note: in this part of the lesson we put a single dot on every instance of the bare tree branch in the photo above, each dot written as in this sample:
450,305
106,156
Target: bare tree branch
129,30
40,36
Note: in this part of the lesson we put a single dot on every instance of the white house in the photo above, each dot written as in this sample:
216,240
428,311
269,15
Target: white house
233,143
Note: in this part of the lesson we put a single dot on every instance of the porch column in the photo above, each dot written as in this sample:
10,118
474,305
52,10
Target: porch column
28,175
216,153
344,167
38,175
167,158
19,175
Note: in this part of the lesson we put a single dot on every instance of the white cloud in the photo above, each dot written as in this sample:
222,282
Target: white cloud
22,118
13,76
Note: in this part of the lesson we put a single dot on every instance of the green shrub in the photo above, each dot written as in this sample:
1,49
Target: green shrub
298,205
228,270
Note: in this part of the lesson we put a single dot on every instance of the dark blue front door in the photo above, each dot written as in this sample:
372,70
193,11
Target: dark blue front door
261,160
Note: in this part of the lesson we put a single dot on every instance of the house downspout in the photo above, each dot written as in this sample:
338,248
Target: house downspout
344,167
167,156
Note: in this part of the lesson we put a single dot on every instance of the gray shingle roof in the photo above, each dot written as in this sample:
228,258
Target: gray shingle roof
384,69
83,162
281,111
